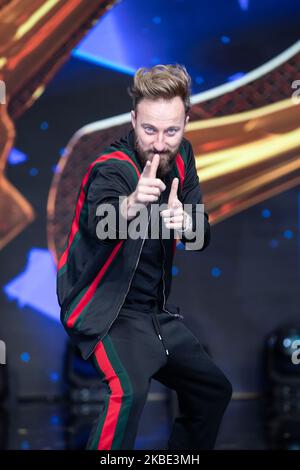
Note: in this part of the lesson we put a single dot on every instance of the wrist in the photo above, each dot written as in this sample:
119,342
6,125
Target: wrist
127,207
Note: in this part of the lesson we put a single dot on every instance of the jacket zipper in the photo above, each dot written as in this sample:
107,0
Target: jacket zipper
177,315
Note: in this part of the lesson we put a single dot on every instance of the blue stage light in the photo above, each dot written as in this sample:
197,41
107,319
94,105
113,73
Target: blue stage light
16,157
33,171
288,234
175,270
199,80
24,445
25,357
244,4
54,420
54,376
225,39
265,213
216,272
44,126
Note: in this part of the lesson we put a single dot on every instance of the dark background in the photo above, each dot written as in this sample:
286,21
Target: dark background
233,294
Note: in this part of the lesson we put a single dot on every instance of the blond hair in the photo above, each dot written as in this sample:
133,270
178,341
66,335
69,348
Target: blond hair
161,81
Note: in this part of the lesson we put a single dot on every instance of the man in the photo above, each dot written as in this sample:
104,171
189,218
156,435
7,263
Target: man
113,291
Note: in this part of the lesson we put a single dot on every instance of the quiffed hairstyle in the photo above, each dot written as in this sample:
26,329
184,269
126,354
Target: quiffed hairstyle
161,81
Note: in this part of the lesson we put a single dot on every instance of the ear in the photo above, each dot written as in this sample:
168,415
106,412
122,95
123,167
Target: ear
133,118
187,120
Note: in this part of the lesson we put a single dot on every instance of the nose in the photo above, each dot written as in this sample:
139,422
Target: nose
159,143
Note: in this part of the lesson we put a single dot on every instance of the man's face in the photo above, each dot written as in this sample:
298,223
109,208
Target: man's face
158,128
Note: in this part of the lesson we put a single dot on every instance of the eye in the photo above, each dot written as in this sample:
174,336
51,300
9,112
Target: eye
171,132
149,130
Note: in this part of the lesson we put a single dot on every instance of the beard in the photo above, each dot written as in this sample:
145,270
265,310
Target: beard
166,161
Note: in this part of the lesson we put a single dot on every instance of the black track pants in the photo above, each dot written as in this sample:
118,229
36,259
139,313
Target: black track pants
141,346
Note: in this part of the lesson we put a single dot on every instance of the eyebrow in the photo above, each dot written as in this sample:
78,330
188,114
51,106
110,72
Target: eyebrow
145,124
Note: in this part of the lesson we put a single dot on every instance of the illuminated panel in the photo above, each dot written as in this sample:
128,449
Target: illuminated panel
36,286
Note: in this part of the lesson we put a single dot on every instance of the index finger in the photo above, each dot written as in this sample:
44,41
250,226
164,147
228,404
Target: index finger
154,165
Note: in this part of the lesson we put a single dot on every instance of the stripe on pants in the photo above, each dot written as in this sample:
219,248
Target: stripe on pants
112,424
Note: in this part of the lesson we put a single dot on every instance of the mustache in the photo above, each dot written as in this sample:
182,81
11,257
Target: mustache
154,152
